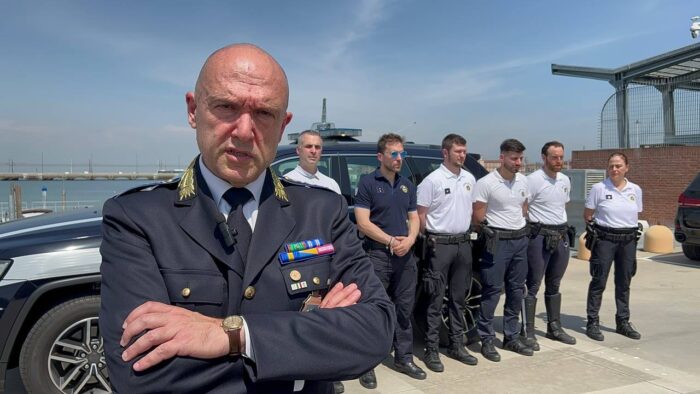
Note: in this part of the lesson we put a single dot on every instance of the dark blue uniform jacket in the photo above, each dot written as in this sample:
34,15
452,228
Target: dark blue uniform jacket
158,242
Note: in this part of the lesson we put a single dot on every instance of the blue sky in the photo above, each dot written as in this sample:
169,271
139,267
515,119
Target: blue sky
106,80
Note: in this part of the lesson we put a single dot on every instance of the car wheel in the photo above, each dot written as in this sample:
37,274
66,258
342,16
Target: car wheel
691,251
471,314
64,353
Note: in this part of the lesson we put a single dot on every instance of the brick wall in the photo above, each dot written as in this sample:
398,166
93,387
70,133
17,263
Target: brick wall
662,173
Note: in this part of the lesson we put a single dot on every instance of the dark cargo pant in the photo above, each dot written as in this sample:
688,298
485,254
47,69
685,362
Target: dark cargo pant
509,267
453,262
399,276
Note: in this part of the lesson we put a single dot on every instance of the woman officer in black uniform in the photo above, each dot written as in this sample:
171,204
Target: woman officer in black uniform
612,209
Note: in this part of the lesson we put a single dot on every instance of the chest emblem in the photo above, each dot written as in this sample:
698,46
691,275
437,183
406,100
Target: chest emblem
608,196
468,187
522,193
404,189
379,189
566,189
447,190
632,197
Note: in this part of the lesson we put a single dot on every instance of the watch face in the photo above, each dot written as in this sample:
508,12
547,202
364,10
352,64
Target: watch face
233,323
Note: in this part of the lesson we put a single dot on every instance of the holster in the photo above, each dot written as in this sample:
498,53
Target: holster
551,240
491,238
640,230
571,233
591,235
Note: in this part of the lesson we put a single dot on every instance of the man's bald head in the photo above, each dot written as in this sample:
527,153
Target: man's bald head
239,109
242,59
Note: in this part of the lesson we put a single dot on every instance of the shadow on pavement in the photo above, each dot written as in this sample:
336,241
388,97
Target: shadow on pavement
675,259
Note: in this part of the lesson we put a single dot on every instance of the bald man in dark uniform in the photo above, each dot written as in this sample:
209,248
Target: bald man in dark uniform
195,294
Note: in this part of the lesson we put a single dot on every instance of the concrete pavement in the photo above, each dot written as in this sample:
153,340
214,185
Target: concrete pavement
665,301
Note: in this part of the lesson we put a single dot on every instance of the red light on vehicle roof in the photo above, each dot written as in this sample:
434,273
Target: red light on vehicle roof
685,201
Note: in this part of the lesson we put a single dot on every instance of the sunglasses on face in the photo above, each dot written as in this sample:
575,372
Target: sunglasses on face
396,154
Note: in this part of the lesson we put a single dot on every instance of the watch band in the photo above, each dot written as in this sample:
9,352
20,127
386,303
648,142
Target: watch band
234,342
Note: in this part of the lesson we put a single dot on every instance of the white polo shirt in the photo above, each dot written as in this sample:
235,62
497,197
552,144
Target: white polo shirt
615,208
548,197
504,199
448,198
318,179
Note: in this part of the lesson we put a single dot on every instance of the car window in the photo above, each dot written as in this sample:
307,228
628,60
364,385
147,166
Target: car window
695,184
422,166
284,166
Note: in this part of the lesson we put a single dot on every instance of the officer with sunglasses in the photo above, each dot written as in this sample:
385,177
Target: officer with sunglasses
385,209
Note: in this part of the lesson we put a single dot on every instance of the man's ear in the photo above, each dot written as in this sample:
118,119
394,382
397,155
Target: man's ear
191,107
285,122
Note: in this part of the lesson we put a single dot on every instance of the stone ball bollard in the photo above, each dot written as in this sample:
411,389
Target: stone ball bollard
583,253
658,239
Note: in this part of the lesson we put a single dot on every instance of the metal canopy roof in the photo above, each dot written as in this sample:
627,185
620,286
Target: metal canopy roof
680,67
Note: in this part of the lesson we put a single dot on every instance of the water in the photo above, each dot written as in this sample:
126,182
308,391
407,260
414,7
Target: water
77,193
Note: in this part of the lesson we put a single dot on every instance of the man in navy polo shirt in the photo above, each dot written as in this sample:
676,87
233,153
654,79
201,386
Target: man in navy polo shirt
385,209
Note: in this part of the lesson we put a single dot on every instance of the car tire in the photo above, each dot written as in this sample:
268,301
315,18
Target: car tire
63,351
471,314
691,251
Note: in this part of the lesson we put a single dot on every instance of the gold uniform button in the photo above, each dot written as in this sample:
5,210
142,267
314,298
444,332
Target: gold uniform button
295,275
316,280
249,292
186,292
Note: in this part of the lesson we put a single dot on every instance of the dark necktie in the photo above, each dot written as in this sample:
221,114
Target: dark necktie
237,223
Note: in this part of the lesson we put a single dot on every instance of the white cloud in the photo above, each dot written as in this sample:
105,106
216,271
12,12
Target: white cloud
367,17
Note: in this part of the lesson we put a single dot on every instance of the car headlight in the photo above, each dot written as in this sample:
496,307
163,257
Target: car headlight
4,267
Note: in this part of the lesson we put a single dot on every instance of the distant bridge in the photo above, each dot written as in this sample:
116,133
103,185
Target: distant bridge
86,176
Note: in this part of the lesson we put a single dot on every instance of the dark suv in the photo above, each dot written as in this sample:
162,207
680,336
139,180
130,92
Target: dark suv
50,282
688,220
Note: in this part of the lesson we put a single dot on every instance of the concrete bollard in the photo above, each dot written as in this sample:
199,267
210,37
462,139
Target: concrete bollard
658,239
583,253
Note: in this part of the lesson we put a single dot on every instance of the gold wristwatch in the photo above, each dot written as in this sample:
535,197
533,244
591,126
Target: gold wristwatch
232,326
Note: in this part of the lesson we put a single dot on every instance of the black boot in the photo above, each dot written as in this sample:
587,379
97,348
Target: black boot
527,334
514,344
458,352
554,330
593,329
369,380
431,358
488,350
624,327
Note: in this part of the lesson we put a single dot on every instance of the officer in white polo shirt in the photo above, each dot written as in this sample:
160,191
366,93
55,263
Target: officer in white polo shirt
501,200
309,149
550,237
444,201
613,205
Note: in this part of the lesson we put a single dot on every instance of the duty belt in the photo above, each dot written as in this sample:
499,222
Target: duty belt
511,234
552,233
494,234
448,239
616,234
